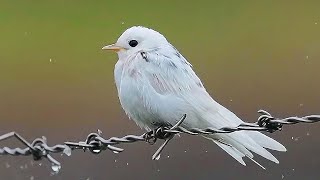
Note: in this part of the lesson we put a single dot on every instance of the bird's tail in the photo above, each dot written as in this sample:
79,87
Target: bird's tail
238,144
241,144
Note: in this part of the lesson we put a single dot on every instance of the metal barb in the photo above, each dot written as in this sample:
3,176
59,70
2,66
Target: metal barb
38,148
95,143
168,136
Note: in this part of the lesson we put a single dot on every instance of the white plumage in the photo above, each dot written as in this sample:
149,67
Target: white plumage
156,86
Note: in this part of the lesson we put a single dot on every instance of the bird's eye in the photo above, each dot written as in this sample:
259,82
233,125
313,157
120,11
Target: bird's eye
133,43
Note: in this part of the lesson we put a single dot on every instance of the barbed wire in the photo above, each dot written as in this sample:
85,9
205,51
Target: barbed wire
95,143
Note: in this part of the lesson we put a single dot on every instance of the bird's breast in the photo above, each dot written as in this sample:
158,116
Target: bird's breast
138,101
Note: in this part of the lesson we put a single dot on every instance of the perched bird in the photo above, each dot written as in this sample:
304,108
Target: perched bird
157,85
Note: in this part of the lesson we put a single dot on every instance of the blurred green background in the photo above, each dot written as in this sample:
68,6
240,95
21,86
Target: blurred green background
56,81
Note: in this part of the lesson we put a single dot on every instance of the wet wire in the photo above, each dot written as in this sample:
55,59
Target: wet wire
95,143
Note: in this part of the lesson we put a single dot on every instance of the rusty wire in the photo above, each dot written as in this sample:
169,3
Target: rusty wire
95,143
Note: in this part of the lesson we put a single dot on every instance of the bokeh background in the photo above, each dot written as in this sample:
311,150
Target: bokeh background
56,81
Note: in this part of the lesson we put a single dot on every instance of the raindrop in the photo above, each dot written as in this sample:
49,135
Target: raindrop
55,168
168,156
115,160
52,60
315,23
308,134
40,164
292,138
67,151
158,170
122,22
293,169
96,150
127,164
21,167
206,151
231,100
185,151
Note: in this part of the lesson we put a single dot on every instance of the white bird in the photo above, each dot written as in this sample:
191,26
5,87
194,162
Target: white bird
157,85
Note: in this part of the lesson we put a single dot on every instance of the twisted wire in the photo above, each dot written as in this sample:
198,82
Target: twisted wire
95,143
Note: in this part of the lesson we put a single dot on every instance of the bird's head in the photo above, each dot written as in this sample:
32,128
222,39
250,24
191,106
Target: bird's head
136,39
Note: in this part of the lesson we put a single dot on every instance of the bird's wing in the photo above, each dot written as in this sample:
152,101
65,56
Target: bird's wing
170,74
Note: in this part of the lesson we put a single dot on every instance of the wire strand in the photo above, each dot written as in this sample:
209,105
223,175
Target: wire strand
95,143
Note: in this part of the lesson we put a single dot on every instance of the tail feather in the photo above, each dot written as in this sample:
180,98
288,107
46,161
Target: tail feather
266,141
257,163
235,144
237,155
239,145
251,145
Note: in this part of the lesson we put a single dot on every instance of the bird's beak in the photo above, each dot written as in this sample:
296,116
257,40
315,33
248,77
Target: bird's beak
113,47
